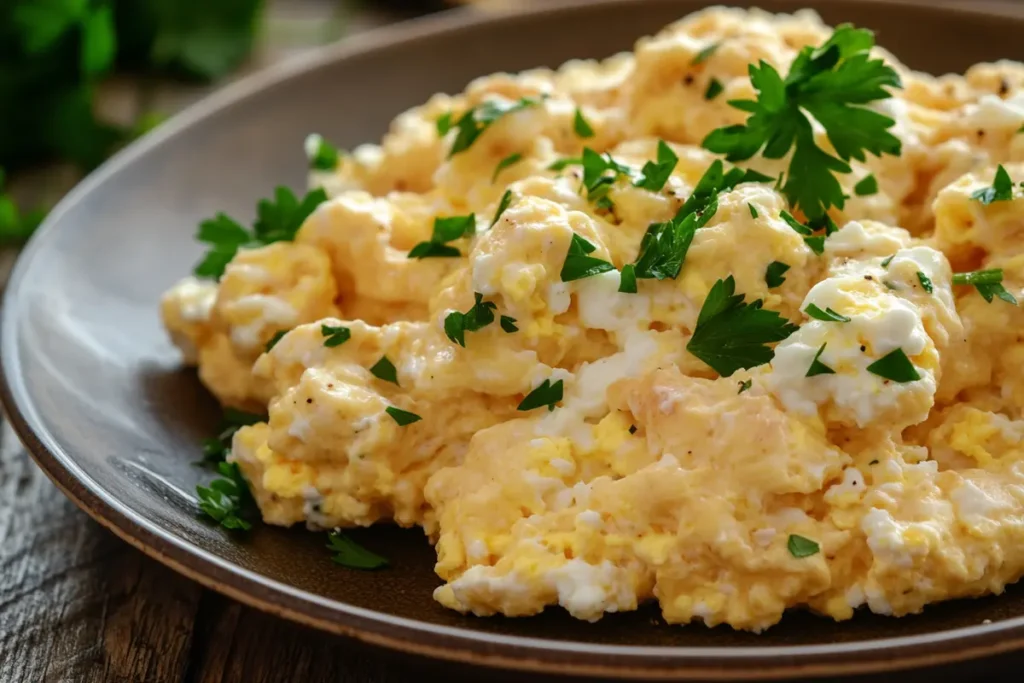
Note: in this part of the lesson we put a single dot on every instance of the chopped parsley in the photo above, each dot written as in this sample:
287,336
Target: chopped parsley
926,283
627,279
703,55
580,125
508,324
654,175
564,163
215,450
895,366
444,124
1000,191
546,394
753,211
800,547
744,385
888,260
989,284
272,342
480,315
596,178
817,367
867,185
474,122
227,499
816,244
505,163
385,370
506,201
350,554
731,335
402,417
578,262
322,155
831,83
774,274
277,220
714,89
446,229
335,336
828,315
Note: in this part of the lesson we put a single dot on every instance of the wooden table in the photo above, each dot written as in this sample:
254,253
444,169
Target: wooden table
77,604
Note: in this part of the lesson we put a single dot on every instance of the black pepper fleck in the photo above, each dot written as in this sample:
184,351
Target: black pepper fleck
863,348
309,400
868,277
688,79
1004,87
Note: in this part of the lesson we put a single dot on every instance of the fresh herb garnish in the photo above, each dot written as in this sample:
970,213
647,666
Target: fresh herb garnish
546,394
828,315
817,367
578,262
774,274
989,284
816,244
322,155
384,369
564,163
731,335
744,385
627,279
508,324
446,229
596,180
16,226
277,220
714,89
926,283
1000,191
654,175
580,125
402,417
895,366
273,340
444,124
506,201
888,260
832,83
505,163
802,547
216,449
867,185
227,499
335,336
474,122
753,211
350,554
480,314
705,53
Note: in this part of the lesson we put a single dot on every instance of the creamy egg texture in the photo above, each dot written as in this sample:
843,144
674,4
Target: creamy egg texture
554,425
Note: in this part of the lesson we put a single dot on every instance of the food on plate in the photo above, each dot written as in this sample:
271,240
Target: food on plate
730,322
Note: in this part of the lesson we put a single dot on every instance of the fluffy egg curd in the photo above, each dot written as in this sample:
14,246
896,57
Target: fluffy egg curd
729,322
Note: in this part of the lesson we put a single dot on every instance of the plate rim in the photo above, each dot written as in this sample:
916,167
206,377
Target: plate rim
466,645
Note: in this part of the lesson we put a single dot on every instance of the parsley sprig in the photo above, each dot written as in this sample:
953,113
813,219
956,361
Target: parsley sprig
989,284
832,83
895,366
655,174
350,554
446,229
1001,189
215,450
472,124
322,155
480,315
277,220
732,335
546,394
800,547
227,499
402,417
580,264
335,335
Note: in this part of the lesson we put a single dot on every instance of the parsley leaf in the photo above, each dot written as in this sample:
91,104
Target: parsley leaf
595,176
731,335
322,155
506,201
546,394
580,125
828,315
817,367
227,499
895,366
714,89
402,417
774,274
508,324
505,163
444,124
579,264
272,342
335,336
926,283
480,315
1001,190
887,260
744,385
753,211
867,185
989,284
564,163
832,83
801,547
816,244
385,370
474,122
216,449
627,279
446,229
350,554
654,175
702,56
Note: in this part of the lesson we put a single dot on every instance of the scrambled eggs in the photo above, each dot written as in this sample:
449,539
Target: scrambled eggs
727,499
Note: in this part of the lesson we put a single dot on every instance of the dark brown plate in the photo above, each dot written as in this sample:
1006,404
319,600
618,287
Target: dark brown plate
94,387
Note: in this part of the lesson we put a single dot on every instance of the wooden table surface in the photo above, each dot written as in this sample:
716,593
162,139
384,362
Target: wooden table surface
78,604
